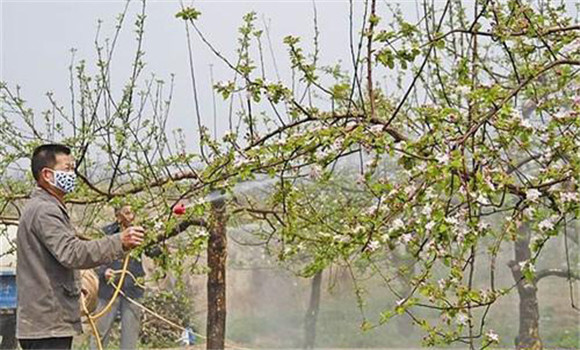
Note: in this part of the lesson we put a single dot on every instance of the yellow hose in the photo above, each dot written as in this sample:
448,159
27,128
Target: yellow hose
171,323
107,308
93,326
123,272
137,283
116,293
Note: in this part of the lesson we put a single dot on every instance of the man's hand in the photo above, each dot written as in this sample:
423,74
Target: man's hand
132,237
109,274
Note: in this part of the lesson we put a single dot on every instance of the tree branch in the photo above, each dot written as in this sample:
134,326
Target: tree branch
513,93
180,228
557,273
548,31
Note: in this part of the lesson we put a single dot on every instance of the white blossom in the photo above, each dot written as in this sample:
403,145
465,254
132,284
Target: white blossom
425,254
410,189
481,199
529,212
430,225
397,224
545,157
406,238
517,115
490,185
462,89
337,145
548,180
377,128
315,172
461,234
571,47
452,221
344,239
462,319
427,210
527,265
492,336
317,128
561,115
372,209
240,161
483,226
547,224
526,123
373,245
385,237
392,193
321,154
441,252
533,195
570,197
443,158
421,167
203,233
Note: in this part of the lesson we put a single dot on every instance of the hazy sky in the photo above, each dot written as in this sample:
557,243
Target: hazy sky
37,37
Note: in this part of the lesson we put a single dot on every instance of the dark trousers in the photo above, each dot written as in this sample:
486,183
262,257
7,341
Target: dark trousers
130,324
8,332
47,343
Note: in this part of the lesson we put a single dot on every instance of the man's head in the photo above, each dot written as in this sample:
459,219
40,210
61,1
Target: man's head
125,215
53,167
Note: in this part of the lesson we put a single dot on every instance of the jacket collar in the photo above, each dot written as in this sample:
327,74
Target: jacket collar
40,192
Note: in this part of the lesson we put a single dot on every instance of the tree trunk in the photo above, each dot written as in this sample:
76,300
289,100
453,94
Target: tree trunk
312,312
216,281
529,332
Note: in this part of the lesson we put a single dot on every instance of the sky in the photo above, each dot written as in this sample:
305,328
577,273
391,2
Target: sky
37,37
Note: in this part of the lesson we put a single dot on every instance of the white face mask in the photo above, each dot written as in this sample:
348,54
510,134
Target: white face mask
64,180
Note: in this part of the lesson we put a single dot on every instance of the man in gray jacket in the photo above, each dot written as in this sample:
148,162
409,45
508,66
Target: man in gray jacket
48,253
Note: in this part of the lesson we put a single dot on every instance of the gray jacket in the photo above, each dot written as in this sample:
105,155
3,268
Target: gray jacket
48,252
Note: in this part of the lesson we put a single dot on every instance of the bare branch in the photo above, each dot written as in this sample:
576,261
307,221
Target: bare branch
557,273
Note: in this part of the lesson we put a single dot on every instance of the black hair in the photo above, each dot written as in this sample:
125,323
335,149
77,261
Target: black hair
45,157
120,207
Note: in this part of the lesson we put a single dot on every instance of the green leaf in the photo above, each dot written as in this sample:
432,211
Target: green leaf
188,14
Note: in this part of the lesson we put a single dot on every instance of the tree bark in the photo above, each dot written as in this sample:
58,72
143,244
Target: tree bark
216,281
312,312
529,329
